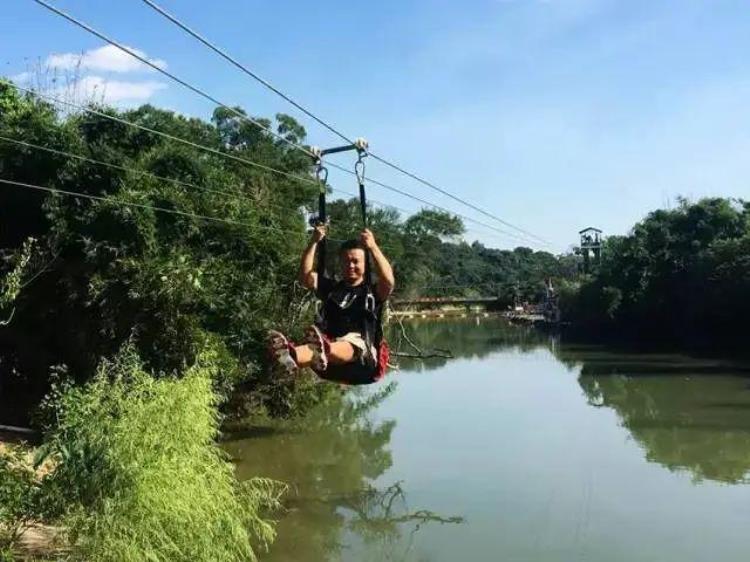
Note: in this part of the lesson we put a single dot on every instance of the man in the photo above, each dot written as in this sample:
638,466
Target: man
340,339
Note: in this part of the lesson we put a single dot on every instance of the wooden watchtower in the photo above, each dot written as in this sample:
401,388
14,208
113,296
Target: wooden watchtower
591,247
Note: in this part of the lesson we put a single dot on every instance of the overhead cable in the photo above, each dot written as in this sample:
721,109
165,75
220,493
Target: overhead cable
246,70
407,213
240,115
132,170
240,159
181,140
458,199
144,206
114,166
184,184
168,74
325,124
249,226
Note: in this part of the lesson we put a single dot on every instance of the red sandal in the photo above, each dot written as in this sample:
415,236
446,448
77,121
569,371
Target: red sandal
318,343
280,352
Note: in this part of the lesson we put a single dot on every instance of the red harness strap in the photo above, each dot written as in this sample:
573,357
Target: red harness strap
354,374
384,355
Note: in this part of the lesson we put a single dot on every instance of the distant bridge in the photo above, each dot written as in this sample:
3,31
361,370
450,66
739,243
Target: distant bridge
441,301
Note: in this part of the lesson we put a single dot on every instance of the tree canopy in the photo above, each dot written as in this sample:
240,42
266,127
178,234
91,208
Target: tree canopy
681,275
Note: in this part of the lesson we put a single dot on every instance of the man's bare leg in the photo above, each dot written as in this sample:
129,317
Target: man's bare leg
304,355
340,352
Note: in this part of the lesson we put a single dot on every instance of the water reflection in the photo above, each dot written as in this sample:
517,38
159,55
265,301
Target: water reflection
532,439
687,414
471,338
331,460
380,518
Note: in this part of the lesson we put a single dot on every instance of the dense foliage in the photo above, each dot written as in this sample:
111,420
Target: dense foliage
681,276
110,270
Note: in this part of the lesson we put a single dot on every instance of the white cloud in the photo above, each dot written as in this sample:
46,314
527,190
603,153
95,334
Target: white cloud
22,78
107,59
96,88
79,86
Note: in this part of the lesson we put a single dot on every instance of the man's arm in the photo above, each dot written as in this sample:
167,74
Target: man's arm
307,275
386,281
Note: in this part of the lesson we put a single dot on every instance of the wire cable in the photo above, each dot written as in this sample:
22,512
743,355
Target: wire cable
246,161
144,206
458,199
132,170
328,126
373,203
445,210
243,116
168,74
434,220
181,140
246,70
249,226
117,167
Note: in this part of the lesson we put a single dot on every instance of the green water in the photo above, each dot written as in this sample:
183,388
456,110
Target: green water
521,448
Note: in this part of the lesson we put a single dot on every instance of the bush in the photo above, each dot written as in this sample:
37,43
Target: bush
19,494
139,476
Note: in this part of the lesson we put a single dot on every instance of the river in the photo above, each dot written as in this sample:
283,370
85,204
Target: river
521,448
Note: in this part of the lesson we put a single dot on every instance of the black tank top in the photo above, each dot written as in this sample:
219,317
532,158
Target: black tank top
343,307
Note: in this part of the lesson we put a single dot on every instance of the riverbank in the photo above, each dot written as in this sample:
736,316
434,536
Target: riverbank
463,312
608,334
636,340
442,313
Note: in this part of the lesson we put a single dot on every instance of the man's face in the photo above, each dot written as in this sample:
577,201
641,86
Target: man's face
353,266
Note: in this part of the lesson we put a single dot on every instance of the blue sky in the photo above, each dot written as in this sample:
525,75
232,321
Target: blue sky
552,114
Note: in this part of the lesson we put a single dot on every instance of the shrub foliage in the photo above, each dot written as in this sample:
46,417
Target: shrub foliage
138,474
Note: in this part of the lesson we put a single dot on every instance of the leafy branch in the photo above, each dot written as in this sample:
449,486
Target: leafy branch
11,286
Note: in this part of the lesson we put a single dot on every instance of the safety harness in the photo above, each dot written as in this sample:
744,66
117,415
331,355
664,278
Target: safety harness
374,368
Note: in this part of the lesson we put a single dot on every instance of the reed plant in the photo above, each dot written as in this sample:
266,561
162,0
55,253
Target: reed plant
139,475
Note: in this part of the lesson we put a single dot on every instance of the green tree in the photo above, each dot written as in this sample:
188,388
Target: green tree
681,275
126,268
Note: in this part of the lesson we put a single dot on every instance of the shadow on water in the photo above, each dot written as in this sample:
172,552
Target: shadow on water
331,460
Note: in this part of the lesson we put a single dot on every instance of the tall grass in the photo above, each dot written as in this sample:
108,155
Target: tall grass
19,494
139,476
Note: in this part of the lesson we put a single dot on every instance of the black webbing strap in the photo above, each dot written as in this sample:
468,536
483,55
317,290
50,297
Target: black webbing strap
321,174
359,170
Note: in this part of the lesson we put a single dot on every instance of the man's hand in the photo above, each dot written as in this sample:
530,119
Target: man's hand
368,239
386,282
319,232
307,277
